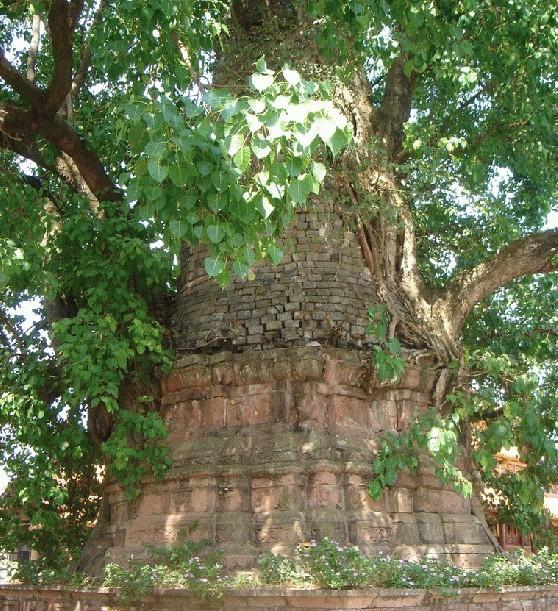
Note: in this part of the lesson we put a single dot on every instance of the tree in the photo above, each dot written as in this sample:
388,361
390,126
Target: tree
128,128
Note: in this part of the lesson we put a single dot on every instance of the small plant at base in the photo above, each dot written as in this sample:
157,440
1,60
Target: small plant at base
134,581
184,566
278,569
335,566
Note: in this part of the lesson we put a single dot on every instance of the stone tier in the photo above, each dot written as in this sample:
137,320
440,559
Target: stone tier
274,448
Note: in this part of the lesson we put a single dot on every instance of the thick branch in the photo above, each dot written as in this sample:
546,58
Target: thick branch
395,109
61,135
20,84
62,19
78,165
531,254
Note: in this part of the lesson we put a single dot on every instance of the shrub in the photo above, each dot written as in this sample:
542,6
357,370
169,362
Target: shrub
335,566
186,566
277,569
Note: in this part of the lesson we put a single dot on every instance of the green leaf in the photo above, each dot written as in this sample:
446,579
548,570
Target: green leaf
305,137
217,201
300,188
375,489
319,171
204,167
291,76
156,150
260,148
241,269
242,159
257,106
232,144
177,228
214,266
179,174
264,206
337,142
157,170
275,254
215,233
261,82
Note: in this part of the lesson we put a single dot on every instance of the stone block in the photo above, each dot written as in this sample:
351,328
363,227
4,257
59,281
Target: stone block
232,495
213,413
459,532
281,493
446,501
280,369
281,527
412,377
118,513
366,532
307,369
430,527
193,376
203,499
154,503
347,414
333,528
406,530
222,374
234,527
253,371
200,496
381,415
311,408
358,501
324,491
399,499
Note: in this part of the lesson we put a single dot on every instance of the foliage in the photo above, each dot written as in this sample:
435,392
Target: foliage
428,435
48,571
233,176
277,569
192,566
334,566
186,566
388,361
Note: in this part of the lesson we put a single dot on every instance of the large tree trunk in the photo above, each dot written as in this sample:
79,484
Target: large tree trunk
274,407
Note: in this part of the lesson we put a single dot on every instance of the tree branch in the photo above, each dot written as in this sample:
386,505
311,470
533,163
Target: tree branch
85,62
61,135
62,19
33,47
20,84
532,254
78,166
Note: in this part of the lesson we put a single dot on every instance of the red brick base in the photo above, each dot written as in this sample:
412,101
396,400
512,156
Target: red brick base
273,448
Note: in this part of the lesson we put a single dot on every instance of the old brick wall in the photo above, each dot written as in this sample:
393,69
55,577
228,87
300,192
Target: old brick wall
544,598
274,448
320,292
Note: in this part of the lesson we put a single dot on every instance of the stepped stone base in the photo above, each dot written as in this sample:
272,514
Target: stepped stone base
274,448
